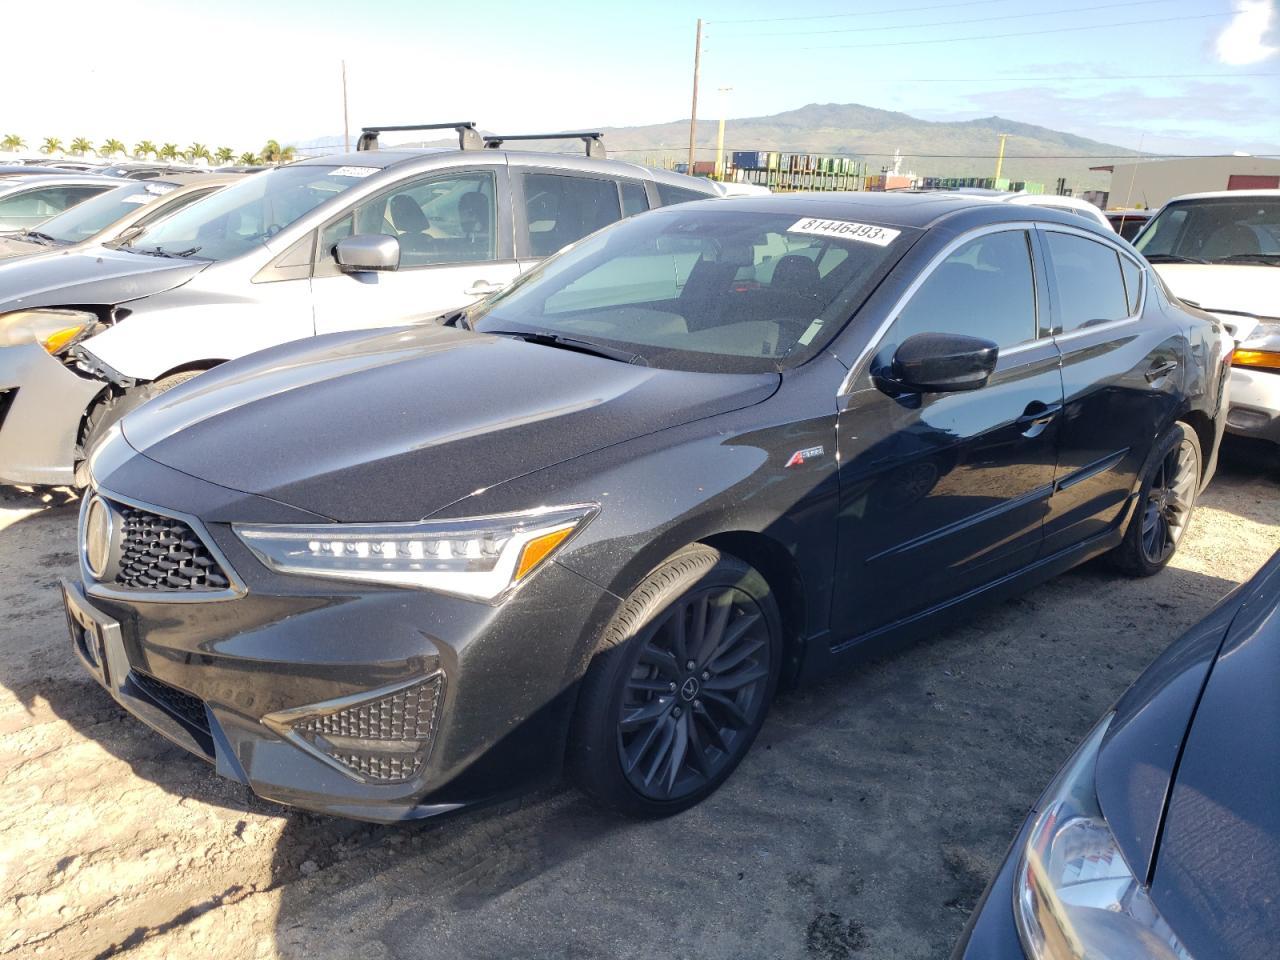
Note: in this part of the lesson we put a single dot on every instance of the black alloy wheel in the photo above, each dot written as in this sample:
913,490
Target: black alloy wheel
698,686
1167,509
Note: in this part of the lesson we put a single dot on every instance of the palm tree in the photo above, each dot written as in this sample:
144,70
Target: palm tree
51,145
110,148
168,152
249,158
224,155
13,143
81,145
144,149
197,151
274,153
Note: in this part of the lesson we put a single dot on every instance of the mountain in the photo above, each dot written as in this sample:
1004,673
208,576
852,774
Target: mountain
930,148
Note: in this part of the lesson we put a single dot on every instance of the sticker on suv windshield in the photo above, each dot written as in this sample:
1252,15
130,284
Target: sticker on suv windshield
354,171
845,230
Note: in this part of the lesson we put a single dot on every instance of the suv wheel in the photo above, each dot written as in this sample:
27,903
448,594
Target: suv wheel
679,686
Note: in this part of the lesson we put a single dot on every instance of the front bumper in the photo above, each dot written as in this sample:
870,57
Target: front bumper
45,405
240,680
1255,404
992,932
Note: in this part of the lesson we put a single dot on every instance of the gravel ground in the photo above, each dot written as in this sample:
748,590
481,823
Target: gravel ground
865,823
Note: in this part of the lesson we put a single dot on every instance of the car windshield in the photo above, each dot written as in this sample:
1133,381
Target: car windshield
84,220
703,289
246,214
1214,230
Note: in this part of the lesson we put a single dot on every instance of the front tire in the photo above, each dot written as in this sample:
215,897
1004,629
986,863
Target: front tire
1166,500
679,686
112,408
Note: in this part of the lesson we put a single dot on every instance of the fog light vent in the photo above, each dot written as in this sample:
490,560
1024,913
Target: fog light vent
384,735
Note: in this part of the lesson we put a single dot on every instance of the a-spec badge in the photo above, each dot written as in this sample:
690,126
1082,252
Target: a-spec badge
800,457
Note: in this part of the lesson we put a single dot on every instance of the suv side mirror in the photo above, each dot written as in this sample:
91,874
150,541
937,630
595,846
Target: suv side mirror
367,251
943,363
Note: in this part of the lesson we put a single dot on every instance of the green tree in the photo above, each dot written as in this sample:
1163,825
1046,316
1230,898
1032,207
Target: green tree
249,158
168,152
13,143
197,151
51,145
224,154
110,148
80,146
274,153
144,149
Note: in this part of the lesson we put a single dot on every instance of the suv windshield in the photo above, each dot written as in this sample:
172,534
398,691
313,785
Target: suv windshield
84,220
713,290
1214,230
244,215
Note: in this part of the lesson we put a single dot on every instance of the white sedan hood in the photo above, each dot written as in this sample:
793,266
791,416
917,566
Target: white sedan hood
1227,290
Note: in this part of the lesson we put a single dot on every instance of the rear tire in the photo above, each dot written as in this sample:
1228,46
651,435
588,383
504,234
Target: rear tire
679,686
1166,501
113,407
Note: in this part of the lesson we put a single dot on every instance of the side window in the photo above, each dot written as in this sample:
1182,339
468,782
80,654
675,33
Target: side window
634,199
668,194
1088,281
1132,283
45,202
985,288
560,209
446,219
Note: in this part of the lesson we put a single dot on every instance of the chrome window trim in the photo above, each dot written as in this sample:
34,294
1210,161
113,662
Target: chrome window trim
1119,251
856,369
108,592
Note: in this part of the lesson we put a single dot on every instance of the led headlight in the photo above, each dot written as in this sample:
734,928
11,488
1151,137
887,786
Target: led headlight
478,557
1075,898
53,329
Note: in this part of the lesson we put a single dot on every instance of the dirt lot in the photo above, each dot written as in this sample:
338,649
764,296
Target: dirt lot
865,822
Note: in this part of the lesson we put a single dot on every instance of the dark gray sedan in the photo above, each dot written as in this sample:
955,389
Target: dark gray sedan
1160,839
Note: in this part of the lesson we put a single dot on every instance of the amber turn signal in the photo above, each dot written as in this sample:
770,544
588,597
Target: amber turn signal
1261,359
536,550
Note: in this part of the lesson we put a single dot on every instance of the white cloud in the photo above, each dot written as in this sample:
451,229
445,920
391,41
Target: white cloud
1243,40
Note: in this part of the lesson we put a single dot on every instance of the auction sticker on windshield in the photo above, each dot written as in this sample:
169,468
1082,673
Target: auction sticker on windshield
354,171
845,230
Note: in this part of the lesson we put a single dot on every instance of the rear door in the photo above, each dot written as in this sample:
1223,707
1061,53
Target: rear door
454,230
1122,371
941,493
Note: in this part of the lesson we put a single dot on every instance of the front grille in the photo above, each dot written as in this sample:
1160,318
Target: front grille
187,708
161,553
6,401
387,769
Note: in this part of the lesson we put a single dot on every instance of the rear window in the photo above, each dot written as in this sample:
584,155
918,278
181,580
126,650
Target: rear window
668,195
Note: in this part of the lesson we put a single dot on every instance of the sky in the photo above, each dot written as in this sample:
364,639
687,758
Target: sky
236,72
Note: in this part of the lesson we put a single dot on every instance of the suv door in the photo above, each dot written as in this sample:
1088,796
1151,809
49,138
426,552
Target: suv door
556,207
454,230
1122,377
941,493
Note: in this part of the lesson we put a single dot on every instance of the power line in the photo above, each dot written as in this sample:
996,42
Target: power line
1121,77
945,23
1025,33
866,13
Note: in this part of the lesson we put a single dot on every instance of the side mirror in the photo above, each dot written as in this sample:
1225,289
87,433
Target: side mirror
367,251
943,363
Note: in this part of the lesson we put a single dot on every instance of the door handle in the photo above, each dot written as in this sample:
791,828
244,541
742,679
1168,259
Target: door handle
482,288
1036,417
1159,370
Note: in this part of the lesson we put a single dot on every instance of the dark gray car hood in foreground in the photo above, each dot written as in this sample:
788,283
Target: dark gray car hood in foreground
396,425
95,276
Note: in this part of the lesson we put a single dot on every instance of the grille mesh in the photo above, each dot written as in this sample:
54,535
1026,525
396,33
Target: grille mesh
178,702
375,766
161,553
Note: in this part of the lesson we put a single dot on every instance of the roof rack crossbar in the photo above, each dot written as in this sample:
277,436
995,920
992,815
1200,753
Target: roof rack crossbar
592,140
468,136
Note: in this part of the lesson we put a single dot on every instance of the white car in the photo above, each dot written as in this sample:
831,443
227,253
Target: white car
368,239
1221,252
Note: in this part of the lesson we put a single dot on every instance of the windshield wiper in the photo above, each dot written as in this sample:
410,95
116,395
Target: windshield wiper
170,254
571,343
1266,259
1172,258
38,237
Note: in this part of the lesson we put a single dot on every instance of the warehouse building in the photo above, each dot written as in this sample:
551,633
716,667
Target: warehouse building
1149,183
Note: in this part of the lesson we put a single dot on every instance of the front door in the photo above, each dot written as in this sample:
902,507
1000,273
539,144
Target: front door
454,231
941,493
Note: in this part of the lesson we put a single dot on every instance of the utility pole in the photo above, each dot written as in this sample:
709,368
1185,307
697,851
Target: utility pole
346,130
1000,158
723,91
693,112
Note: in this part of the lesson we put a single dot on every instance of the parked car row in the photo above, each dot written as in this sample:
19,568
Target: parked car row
414,477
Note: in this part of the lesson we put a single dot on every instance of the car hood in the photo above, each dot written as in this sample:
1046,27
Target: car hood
96,275
1217,870
13,245
1228,290
396,425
